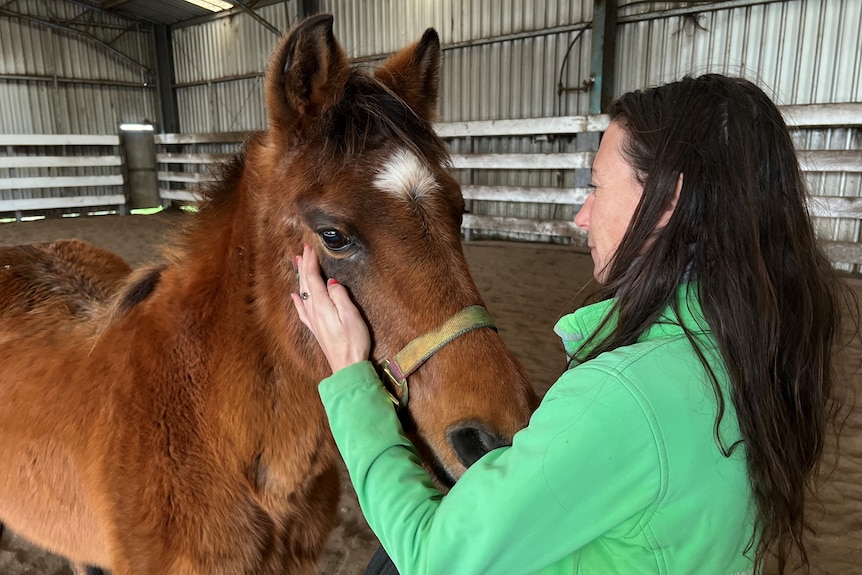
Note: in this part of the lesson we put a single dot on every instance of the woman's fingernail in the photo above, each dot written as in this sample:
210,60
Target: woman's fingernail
332,281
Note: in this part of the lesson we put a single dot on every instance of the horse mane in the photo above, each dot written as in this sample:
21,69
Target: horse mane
137,288
227,174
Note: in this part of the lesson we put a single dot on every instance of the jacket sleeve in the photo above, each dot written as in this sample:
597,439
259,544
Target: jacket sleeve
588,461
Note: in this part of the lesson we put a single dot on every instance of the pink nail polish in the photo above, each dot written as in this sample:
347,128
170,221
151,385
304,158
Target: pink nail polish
332,281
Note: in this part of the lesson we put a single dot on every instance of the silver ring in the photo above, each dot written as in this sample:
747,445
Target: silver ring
303,295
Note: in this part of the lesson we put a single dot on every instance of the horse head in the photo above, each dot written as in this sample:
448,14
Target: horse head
351,165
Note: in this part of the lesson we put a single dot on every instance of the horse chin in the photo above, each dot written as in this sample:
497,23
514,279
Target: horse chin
443,478
441,475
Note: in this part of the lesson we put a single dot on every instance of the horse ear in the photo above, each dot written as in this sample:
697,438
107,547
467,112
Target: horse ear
306,74
414,74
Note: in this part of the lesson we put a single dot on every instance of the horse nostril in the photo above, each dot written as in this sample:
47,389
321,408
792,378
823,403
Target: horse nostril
471,442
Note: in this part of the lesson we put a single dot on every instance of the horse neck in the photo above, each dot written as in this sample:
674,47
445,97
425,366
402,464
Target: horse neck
262,392
213,265
228,271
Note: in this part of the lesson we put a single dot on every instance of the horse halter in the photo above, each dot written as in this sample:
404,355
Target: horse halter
417,352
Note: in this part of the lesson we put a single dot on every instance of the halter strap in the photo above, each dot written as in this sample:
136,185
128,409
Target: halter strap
417,352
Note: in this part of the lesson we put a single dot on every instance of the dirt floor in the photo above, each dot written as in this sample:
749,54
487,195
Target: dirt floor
526,287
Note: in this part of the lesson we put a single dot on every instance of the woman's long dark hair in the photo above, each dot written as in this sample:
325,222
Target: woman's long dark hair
772,299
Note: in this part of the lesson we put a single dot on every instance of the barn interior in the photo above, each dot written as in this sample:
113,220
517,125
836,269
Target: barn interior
113,113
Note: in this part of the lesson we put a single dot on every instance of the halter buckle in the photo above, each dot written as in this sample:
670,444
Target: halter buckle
415,353
399,381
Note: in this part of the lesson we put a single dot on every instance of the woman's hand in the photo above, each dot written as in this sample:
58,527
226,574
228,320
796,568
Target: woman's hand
327,310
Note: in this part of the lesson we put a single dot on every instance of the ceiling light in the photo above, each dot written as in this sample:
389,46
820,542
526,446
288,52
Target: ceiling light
136,127
212,5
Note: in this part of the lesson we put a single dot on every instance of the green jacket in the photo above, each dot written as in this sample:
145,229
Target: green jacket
618,471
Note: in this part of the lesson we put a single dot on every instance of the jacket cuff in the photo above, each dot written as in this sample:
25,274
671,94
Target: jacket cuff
359,374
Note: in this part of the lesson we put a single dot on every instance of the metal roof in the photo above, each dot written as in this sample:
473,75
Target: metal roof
167,12
155,11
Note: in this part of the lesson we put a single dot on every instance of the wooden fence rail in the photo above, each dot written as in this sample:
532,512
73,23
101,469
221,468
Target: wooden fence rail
48,153
182,168
81,171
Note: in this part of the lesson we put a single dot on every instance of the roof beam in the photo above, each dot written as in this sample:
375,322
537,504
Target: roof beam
110,4
260,19
101,10
84,35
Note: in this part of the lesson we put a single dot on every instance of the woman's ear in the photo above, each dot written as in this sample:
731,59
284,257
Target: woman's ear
665,217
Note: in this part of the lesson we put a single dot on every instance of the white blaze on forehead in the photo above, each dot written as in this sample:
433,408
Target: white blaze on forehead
405,176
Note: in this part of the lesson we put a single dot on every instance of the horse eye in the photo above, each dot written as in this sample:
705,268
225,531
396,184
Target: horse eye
335,240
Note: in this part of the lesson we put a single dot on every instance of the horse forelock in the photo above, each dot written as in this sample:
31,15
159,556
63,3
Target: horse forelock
369,116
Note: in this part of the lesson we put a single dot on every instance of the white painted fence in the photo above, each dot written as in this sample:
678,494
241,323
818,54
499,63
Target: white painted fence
36,168
45,172
837,198
185,161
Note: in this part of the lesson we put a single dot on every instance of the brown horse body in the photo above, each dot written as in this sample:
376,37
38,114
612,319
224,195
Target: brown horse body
167,420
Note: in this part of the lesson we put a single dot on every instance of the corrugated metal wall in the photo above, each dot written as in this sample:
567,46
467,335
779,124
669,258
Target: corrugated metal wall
523,59
805,51
800,51
481,39
55,82
502,59
219,68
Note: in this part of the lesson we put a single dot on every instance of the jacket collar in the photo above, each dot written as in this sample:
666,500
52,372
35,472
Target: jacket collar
576,327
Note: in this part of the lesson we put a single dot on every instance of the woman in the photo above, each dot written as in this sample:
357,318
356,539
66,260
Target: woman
691,421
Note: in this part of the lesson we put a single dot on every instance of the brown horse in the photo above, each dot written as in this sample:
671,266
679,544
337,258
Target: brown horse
167,420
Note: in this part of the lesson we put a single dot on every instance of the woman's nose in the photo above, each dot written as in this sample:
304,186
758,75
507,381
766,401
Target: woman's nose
582,218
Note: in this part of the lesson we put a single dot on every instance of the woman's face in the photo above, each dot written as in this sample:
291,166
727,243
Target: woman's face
606,214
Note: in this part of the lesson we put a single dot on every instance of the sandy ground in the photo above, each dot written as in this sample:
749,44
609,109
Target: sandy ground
526,287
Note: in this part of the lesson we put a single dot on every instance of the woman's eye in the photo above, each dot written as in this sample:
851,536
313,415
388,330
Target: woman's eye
335,240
